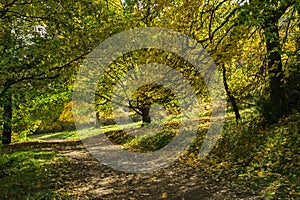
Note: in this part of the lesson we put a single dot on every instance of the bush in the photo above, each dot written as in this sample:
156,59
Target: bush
292,89
264,108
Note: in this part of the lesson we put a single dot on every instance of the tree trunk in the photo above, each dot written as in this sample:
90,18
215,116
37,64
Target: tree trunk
7,117
145,116
97,123
277,91
231,98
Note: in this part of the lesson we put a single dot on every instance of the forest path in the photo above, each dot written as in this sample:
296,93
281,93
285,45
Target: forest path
84,177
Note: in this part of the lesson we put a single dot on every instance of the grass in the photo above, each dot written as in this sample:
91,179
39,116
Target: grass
30,174
72,135
265,157
90,132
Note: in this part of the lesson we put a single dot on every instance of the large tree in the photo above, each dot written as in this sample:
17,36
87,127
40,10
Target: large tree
223,26
41,44
268,16
226,28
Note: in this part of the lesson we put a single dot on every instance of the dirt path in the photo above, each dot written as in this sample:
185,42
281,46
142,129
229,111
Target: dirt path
84,177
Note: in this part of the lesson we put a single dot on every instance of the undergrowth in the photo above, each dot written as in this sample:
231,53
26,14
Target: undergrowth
264,157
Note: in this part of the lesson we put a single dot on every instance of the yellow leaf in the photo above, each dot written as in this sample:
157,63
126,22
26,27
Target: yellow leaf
164,195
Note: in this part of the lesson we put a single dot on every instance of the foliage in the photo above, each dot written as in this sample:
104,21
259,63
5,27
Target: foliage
41,45
292,88
147,95
44,110
264,108
61,121
47,41
256,43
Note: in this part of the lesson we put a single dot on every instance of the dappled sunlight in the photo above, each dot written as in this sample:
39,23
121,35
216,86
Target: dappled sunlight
149,99
65,168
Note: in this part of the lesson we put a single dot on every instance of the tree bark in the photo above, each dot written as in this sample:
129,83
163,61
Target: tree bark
230,96
97,123
275,71
7,117
146,119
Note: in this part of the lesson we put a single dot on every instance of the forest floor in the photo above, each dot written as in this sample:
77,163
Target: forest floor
251,161
80,176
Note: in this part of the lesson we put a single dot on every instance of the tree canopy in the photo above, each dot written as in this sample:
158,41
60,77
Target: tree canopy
254,44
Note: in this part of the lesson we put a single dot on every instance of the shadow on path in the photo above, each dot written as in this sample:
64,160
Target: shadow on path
84,177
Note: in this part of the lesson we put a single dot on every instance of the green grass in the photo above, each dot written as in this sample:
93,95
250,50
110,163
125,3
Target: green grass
265,157
152,142
30,174
85,133
72,135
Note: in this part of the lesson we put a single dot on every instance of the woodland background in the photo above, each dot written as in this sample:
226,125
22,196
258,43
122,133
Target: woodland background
255,45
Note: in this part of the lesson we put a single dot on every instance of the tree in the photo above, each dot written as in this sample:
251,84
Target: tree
225,28
147,95
267,16
41,44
